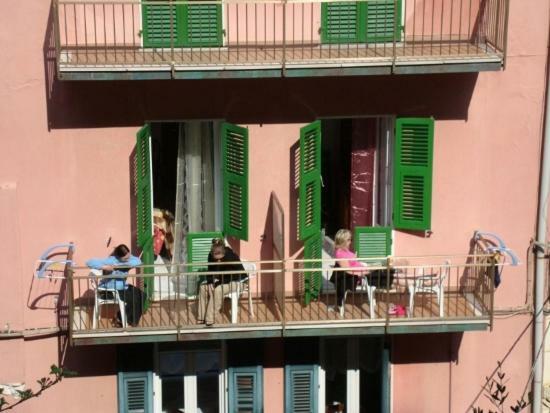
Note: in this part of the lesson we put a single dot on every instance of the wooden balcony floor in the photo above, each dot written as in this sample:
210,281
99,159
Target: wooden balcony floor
168,314
136,58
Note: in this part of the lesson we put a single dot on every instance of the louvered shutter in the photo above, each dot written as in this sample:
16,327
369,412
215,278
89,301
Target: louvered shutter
301,389
235,180
162,24
383,20
198,248
310,180
144,194
372,242
135,392
413,173
343,22
203,27
245,389
313,249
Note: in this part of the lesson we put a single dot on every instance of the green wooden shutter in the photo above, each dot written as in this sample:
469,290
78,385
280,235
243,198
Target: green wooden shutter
310,180
144,192
245,389
343,22
135,392
235,180
372,242
198,248
162,24
413,173
313,280
301,389
383,20
203,27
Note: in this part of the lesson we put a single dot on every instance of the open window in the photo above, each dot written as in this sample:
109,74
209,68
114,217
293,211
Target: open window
191,180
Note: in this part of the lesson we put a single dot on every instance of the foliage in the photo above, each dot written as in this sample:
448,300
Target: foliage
496,392
55,376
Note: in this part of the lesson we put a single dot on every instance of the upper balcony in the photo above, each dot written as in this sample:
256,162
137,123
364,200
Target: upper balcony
163,39
294,298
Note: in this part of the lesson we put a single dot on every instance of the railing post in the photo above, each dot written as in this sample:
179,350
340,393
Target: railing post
505,37
493,260
172,6
70,304
388,266
394,36
283,293
57,32
283,63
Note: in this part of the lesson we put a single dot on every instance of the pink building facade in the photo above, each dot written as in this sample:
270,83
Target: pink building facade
74,97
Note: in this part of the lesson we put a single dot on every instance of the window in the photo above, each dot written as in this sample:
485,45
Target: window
361,21
181,25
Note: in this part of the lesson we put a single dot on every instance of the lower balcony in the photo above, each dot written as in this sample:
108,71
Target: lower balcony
291,298
155,39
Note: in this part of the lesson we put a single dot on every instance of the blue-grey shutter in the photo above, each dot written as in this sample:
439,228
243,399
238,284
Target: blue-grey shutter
245,389
301,389
135,392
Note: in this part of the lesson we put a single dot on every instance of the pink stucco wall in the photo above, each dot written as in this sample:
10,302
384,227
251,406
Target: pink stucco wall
64,176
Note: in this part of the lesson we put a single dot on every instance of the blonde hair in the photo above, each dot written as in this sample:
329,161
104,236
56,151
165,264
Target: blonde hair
341,237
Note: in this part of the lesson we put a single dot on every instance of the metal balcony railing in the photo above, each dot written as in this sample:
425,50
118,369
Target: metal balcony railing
206,35
295,294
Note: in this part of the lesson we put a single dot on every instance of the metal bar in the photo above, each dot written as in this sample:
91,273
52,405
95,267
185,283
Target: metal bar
57,36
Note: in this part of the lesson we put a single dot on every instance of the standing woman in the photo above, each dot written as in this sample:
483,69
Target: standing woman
118,264
216,286
345,258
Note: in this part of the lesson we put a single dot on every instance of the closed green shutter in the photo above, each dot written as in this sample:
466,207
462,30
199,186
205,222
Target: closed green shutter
144,194
343,22
235,180
310,180
383,20
301,389
135,392
181,25
162,24
198,248
203,26
371,21
372,242
245,389
313,249
413,173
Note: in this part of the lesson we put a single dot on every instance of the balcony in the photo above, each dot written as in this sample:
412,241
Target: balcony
297,298
162,39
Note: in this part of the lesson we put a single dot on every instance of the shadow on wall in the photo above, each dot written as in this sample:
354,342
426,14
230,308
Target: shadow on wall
87,104
426,348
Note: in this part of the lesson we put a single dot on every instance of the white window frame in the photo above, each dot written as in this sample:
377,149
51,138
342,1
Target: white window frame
190,380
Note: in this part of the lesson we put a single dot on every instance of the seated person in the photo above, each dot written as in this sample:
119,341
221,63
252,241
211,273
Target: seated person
216,286
118,264
344,258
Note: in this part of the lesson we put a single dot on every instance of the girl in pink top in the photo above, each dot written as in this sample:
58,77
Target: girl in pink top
344,280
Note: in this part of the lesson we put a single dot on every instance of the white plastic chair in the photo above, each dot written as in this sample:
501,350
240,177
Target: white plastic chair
430,284
244,285
106,296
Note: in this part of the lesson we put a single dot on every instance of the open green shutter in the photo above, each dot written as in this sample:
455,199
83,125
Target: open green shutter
313,249
144,192
383,20
310,180
245,389
413,173
343,22
198,248
372,242
162,24
301,389
203,27
135,392
235,180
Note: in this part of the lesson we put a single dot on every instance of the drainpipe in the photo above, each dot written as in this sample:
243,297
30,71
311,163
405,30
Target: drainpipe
540,259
